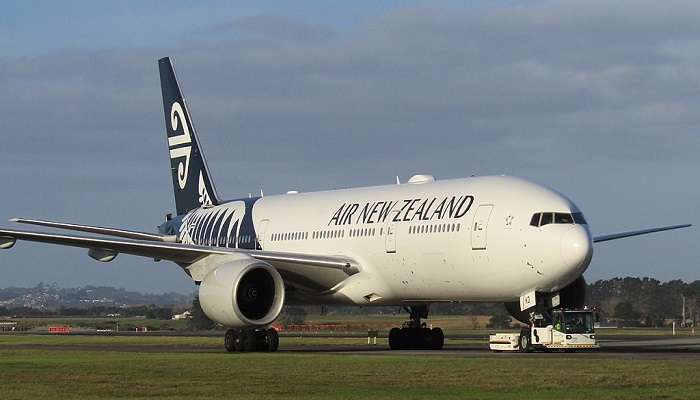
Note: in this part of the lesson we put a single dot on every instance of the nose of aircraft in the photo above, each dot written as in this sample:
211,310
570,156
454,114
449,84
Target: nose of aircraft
576,248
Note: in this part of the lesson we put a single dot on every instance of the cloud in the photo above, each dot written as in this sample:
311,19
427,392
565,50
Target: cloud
558,91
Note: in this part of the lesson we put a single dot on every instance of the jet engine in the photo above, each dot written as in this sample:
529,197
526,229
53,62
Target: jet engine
571,297
574,295
242,293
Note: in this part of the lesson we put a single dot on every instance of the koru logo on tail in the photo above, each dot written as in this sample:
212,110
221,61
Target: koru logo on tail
175,143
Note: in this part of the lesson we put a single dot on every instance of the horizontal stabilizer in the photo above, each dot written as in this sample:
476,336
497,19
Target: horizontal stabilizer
604,238
98,230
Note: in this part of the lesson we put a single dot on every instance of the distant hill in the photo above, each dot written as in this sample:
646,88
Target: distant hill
51,297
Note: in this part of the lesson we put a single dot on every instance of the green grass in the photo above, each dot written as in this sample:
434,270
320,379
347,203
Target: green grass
30,371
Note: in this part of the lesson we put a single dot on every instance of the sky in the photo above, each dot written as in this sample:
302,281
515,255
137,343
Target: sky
597,99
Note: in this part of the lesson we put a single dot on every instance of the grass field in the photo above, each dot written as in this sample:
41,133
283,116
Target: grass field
453,325
30,369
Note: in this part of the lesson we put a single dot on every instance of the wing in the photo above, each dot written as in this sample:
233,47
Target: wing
306,271
97,229
605,238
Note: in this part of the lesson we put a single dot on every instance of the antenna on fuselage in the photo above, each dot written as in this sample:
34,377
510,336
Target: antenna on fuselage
398,181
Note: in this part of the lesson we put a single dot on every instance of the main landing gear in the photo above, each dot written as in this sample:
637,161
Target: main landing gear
414,335
249,340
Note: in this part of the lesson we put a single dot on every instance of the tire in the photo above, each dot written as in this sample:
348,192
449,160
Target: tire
413,338
247,340
524,343
395,339
273,340
437,339
230,340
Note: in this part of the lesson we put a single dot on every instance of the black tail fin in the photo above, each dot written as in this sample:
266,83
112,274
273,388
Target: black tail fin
191,179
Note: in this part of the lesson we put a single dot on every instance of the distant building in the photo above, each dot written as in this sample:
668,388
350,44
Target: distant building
185,315
8,326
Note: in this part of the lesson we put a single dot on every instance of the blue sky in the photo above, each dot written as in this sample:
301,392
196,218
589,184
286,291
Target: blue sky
597,99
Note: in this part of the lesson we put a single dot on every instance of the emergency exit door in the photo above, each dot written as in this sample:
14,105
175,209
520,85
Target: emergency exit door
390,239
390,232
480,226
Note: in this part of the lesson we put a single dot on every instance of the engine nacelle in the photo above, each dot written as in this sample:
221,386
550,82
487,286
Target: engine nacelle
242,293
572,296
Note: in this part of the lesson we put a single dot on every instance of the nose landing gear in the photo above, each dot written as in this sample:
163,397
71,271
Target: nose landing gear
414,335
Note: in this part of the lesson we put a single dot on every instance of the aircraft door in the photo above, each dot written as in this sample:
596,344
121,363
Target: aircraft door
261,230
390,237
480,225
390,233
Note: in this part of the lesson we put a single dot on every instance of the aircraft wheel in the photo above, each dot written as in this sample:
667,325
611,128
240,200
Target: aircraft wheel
437,339
395,339
273,339
414,338
230,340
246,340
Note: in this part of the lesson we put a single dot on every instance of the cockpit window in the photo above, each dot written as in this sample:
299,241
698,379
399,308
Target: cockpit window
546,218
535,221
562,218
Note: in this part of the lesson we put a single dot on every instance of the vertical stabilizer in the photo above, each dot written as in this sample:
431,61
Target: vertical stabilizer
191,179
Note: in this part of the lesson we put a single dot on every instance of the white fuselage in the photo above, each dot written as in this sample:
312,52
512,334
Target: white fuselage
479,247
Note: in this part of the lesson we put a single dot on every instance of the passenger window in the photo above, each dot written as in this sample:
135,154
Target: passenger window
562,218
535,221
546,219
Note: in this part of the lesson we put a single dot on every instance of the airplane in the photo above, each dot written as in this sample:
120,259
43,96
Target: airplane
412,244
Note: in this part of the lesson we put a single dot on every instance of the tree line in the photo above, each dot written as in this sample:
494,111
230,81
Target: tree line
620,301
646,301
